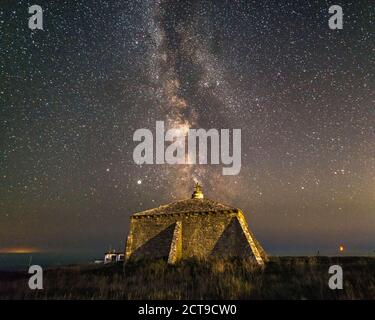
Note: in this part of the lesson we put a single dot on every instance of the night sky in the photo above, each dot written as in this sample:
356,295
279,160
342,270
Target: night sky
72,95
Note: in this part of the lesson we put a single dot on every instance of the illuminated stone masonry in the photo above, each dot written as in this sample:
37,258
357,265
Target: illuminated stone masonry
195,227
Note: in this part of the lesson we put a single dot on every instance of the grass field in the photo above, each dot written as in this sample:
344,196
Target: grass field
282,278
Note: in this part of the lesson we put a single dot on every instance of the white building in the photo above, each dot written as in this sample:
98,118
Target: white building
113,256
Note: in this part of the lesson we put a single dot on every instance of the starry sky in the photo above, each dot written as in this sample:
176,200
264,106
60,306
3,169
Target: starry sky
72,95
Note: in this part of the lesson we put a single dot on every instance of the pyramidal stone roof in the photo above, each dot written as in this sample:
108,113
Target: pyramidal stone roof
189,205
210,229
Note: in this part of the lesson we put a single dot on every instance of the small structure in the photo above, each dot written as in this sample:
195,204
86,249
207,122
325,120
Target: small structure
195,227
113,256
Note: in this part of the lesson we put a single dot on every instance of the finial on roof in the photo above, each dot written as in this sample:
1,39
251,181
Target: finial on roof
197,194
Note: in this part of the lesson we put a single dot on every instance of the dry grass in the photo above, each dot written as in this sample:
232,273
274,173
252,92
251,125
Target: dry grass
282,278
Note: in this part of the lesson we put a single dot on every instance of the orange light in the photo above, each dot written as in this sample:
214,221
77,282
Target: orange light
19,250
341,248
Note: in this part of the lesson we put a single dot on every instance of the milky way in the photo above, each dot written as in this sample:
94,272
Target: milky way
72,96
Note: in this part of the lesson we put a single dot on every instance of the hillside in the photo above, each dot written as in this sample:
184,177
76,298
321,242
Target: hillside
282,278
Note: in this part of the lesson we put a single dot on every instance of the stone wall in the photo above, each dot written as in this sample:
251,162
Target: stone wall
203,234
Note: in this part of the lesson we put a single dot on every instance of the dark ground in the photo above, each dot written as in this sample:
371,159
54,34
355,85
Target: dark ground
282,278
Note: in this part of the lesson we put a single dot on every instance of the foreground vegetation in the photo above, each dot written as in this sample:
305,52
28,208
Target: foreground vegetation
282,278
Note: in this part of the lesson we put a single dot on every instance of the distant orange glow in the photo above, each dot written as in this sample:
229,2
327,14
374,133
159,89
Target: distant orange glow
19,250
341,248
